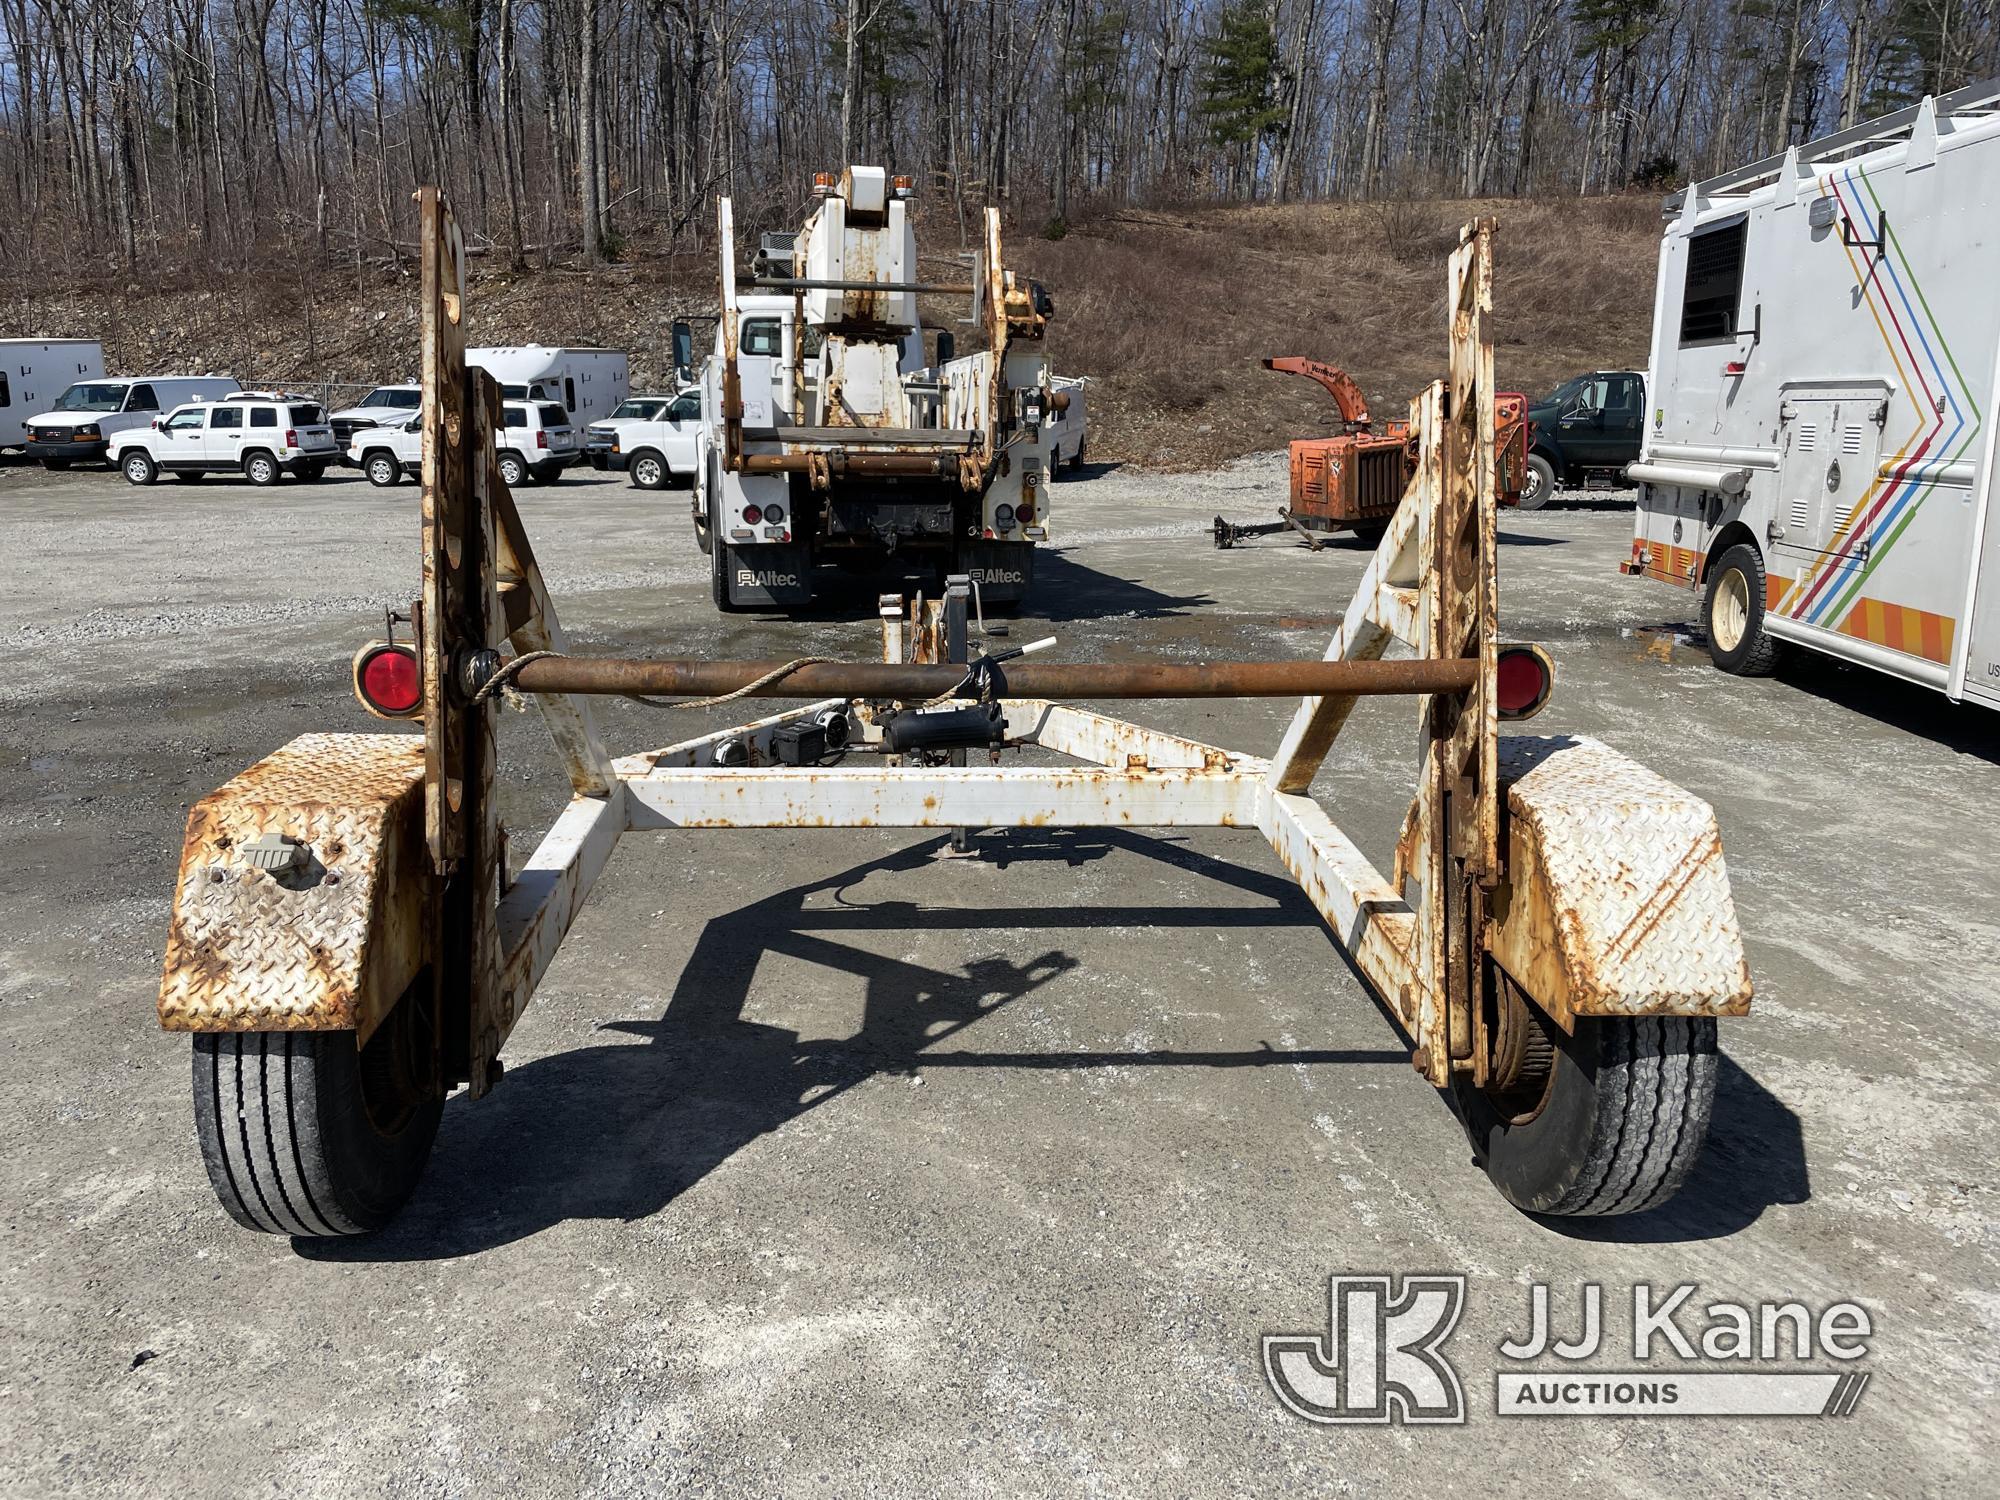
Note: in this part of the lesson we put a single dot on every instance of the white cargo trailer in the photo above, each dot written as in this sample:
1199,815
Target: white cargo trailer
590,383
33,372
1820,455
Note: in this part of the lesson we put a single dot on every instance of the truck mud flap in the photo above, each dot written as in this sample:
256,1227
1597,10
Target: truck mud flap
767,575
1004,571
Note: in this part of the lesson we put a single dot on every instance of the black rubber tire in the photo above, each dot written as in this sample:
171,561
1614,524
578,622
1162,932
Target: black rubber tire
138,467
518,465
287,1136
56,465
1370,533
1619,1126
1540,485
261,469
546,473
194,476
382,467
1076,459
1755,653
649,470
312,473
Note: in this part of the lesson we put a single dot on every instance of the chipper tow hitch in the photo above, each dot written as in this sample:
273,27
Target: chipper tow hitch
1556,935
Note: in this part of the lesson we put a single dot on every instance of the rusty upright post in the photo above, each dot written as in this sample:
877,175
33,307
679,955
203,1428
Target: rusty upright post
460,825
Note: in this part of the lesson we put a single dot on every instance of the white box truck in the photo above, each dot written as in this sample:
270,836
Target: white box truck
33,372
590,383
1819,457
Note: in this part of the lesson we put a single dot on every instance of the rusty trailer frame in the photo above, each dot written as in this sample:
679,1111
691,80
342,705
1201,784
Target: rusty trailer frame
1556,934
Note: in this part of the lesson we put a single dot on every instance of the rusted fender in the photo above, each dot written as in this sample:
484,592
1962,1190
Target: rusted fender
329,939
1615,900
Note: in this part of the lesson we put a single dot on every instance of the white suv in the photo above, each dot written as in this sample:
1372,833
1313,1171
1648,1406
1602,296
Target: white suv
385,454
655,444
535,441
259,434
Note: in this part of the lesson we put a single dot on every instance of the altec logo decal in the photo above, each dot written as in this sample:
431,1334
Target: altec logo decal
748,580
998,575
1382,1357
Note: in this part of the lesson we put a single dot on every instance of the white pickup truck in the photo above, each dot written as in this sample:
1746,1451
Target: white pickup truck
653,438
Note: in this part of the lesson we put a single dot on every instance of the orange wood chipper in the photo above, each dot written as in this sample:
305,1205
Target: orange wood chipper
1355,481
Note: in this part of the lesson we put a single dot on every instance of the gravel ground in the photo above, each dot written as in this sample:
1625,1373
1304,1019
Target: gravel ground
826,1167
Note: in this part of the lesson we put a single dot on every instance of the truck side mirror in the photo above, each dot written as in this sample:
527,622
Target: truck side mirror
947,346
683,340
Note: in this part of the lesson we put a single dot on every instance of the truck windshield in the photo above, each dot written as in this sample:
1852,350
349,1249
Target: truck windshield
644,411
91,398
407,400
1568,393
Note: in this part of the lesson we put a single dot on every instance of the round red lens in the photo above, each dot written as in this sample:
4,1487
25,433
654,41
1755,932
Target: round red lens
1520,682
752,514
392,682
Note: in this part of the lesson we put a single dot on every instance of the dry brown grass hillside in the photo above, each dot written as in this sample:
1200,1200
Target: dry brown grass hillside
1168,312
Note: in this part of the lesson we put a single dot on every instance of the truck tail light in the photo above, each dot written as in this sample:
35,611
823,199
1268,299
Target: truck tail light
773,514
753,514
1025,511
1523,679
291,438
388,680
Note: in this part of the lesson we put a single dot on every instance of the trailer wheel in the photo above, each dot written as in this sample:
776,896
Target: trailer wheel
1539,484
1606,1121
649,470
302,1134
1732,613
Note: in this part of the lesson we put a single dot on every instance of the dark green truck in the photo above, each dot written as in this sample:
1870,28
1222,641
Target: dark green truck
1588,429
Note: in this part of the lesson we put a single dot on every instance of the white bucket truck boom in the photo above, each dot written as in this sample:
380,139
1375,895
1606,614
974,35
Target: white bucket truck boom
826,437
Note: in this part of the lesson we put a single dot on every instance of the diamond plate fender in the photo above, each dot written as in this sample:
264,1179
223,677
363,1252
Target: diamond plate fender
1616,900
328,943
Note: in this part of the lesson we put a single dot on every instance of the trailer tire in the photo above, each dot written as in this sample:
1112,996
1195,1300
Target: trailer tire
1732,614
303,1134
1616,1127
1539,485
383,468
649,470
139,467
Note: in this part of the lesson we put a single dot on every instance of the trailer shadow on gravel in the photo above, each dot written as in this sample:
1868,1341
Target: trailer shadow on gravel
621,1130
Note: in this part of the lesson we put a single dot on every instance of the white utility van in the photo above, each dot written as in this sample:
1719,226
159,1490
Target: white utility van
590,383
1819,459
80,425
33,371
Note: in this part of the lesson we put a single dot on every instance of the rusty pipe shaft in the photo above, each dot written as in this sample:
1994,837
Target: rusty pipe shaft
1025,679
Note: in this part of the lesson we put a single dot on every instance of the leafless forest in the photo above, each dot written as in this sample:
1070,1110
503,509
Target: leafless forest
168,133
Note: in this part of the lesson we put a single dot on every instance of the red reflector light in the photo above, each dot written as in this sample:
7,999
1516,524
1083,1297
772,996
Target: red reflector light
388,680
1735,367
1025,511
753,514
1523,679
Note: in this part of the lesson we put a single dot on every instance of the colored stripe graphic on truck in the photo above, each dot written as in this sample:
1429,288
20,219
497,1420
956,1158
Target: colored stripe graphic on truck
1828,593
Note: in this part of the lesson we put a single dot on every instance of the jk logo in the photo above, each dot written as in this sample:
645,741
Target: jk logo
1379,1359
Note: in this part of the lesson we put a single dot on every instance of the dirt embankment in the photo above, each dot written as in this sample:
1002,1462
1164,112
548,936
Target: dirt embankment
1167,312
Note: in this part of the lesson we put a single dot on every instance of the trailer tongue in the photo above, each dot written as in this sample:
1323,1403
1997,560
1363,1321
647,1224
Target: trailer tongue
1556,934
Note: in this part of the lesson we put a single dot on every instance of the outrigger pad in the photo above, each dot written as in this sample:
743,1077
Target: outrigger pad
1616,901
326,940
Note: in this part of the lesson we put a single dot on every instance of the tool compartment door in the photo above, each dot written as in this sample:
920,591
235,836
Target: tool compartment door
1832,444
